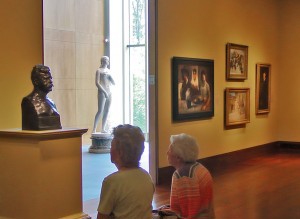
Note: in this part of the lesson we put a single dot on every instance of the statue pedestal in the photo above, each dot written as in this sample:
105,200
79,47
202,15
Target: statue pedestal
41,174
101,143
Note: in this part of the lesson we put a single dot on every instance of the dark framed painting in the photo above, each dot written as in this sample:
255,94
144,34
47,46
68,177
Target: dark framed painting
192,88
263,88
237,106
236,62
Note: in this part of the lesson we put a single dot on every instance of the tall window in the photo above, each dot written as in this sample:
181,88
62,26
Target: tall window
128,57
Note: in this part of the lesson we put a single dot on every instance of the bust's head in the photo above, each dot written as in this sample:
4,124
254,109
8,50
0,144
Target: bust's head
38,111
41,78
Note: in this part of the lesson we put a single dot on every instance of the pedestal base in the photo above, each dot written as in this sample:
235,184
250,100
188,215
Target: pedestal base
101,143
41,174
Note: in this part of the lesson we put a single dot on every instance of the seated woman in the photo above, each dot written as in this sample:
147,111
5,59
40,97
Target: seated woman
127,193
192,184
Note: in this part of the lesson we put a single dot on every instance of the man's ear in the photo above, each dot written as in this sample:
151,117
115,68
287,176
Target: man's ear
120,152
179,159
35,82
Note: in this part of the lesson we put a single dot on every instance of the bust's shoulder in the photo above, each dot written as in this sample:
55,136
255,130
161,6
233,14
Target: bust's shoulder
33,97
28,104
28,99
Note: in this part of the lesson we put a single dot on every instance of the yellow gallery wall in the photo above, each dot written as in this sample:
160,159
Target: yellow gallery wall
21,48
191,28
289,84
201,29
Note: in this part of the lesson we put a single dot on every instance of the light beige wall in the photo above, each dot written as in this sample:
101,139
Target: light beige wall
289,94
73,47
21,48
201,29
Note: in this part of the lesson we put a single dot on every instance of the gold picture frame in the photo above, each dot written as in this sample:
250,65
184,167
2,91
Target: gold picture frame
236,61
263,88
237,102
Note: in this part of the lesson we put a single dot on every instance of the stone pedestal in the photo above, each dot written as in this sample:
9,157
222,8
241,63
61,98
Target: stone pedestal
41,174
101,143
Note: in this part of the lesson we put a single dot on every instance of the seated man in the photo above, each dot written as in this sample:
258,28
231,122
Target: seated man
128,192
38,111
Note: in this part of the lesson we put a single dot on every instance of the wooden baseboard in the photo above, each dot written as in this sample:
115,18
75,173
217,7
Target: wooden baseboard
223,161
288,145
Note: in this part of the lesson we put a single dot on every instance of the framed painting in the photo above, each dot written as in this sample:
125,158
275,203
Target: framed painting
263,88
192,88
237,107
236,62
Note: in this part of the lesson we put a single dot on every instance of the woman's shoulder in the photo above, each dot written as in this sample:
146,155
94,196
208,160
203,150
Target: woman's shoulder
191,169
133,177
128,173
202,172
199,167
138,172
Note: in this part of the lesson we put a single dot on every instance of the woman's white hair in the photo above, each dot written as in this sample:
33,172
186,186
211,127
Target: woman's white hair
185,147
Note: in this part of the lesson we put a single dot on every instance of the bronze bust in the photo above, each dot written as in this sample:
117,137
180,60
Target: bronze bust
38,111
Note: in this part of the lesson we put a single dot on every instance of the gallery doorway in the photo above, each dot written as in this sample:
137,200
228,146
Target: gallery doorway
76,35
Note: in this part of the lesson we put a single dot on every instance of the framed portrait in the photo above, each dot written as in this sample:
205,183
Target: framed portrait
237,107
192,88
236,62
263,88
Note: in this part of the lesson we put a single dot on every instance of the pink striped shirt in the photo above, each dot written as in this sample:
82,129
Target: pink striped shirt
192,192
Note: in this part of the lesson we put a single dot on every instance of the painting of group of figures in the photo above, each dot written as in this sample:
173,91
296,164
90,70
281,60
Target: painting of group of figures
193,88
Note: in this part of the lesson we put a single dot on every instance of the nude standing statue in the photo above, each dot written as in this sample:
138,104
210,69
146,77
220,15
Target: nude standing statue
103,82
38,111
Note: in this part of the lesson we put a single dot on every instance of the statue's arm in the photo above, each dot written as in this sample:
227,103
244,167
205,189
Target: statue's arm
98,84
111,80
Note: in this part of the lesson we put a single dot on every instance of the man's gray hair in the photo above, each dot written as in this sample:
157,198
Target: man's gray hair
130,141
185,147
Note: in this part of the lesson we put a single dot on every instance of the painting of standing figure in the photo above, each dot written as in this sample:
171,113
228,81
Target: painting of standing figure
237,108
263,93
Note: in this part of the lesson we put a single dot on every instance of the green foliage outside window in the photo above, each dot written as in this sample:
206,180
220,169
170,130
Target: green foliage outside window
139,102
138,26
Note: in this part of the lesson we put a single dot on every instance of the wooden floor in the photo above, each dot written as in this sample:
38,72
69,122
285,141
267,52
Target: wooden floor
264,187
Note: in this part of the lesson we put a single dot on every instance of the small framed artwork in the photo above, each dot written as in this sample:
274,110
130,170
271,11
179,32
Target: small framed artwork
192,88
263,88
237,109
236,62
